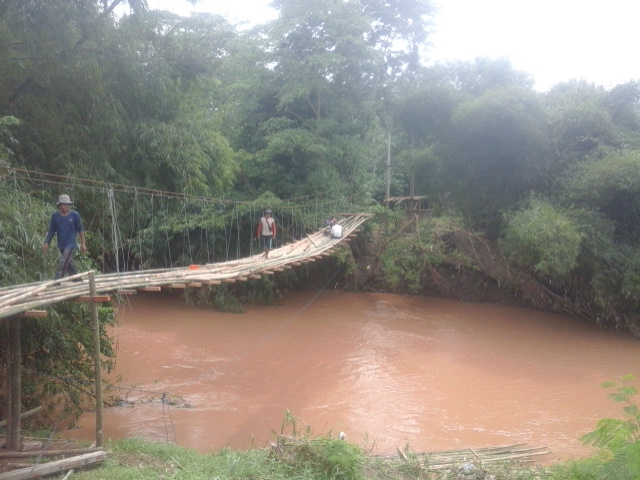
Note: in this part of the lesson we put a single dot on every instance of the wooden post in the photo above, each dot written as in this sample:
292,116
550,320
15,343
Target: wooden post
15,368
97,364
7,361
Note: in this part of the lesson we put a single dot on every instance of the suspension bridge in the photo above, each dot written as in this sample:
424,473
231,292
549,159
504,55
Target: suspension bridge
186,231
30,299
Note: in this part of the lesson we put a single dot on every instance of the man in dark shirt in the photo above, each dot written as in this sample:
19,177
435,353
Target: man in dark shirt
65,223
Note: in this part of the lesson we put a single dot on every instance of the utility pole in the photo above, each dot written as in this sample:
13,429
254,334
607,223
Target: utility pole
388,168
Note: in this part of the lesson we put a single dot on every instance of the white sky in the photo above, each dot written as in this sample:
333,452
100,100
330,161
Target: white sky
554,40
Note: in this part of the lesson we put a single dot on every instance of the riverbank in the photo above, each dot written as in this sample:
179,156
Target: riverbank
460,265
299,457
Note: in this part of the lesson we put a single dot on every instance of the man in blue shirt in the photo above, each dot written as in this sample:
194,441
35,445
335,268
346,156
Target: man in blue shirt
66,223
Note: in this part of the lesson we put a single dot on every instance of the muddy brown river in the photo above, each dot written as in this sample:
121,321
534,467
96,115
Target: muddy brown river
386,370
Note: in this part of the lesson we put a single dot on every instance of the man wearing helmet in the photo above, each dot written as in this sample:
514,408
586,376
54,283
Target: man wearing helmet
67,225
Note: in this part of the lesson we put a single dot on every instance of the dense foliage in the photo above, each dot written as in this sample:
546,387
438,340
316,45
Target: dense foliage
172,134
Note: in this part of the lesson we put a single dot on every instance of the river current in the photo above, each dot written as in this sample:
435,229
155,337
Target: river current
387,370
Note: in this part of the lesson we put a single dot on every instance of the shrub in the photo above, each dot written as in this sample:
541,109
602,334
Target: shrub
619,439
543,239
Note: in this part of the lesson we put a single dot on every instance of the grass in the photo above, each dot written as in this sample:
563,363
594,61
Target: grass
295,458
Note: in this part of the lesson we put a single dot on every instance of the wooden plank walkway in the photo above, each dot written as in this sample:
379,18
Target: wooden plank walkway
25,298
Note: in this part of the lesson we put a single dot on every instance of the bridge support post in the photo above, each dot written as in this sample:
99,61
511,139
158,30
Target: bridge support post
14,382
97,362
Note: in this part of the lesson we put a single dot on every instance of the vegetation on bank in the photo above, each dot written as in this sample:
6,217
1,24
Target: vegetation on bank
301,459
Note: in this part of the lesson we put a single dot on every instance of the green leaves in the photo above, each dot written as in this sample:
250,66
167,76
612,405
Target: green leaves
185,156
580,121
611,185
497,153
544,239
619,437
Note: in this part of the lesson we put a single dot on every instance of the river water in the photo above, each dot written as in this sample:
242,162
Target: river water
386,370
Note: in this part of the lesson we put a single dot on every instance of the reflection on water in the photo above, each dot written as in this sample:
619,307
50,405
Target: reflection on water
387,370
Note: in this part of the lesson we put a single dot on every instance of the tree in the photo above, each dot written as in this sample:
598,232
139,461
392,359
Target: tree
497,154
543,239
329,62
93,96
580,122
482,75
425,114
623,103
610,185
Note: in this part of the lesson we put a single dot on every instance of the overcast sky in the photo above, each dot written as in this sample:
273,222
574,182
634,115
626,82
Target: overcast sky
554,40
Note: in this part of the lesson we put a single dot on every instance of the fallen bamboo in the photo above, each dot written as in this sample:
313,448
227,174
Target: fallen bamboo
50,453
41,470
446,459
26,414
69,473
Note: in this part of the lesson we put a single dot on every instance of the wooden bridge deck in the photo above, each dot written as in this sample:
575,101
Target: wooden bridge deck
20,300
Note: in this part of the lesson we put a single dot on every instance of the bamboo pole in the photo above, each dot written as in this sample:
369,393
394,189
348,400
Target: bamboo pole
51,453
56,466
97,365
14,297
24,415
13,441
7,344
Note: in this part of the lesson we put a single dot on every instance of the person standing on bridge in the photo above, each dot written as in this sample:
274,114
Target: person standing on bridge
266,231
67,224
